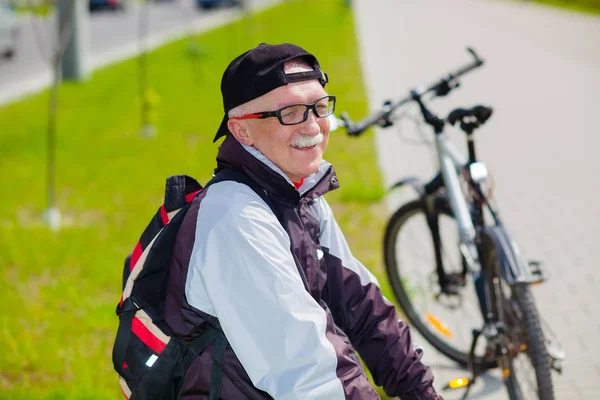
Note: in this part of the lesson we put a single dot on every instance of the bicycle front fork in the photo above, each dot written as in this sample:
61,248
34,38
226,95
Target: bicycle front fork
493,332
450,283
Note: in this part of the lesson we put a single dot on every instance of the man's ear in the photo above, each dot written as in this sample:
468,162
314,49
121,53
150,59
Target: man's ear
239,131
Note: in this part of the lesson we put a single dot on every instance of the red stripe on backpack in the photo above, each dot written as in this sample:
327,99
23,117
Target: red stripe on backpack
135,256
163,215
147,337
190,197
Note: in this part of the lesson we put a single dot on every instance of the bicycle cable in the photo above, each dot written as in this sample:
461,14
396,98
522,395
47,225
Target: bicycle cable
419,128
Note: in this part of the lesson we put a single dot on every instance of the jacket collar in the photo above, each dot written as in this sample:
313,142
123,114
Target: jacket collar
266,174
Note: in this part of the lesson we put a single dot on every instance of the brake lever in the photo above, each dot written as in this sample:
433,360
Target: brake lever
449,85
386,121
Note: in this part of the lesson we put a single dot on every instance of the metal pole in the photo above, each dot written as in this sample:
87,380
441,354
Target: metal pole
65,29
74,13
52,213
148,129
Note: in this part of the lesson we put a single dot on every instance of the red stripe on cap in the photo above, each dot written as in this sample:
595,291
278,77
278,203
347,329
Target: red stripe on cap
125,365
123,391
135,256
163,215
146,336
190,197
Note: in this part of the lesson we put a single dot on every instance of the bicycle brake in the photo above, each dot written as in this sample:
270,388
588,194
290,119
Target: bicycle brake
454,282
386,121
538,271
556,354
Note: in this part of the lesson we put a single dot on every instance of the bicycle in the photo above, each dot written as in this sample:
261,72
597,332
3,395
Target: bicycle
483,264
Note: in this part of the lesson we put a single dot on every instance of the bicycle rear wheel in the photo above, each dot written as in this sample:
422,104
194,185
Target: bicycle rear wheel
445,321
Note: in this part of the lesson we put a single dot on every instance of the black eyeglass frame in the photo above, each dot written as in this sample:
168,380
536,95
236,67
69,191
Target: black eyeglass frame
277,113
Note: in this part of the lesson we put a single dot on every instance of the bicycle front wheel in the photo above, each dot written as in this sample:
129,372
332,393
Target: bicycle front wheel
445,321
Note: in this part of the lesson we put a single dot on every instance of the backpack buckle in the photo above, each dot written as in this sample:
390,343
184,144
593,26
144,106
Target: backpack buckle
128,305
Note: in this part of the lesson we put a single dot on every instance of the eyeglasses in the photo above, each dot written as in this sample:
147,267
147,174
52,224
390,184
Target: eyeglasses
296,113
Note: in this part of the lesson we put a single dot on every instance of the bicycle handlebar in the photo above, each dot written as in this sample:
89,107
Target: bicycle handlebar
441,88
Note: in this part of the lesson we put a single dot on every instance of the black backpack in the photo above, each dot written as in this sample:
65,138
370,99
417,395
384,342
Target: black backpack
150,360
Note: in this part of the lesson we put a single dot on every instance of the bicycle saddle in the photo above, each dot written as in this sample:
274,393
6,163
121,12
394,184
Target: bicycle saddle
470,118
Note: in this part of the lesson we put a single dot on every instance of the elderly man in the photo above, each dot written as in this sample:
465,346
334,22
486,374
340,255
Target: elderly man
265,263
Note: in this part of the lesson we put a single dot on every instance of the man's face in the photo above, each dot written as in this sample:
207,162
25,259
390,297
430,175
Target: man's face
282,144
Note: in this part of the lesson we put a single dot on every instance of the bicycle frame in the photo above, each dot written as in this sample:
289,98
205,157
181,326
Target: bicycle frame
489,254
450,160
513,268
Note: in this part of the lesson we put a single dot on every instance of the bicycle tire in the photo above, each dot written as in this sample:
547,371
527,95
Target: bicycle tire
393,228
536,348
512,386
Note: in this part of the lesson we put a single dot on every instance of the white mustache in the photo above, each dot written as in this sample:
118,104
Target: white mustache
308,141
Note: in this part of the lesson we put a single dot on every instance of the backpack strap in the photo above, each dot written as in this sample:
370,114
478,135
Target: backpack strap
126,311
215,377
179,191
212,334
231,174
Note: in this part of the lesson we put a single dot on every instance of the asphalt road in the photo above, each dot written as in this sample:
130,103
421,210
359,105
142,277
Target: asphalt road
542,76
112,36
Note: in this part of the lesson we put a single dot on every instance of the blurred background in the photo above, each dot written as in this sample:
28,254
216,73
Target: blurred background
102,100
541,76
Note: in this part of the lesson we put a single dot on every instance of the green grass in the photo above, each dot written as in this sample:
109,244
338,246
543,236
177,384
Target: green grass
58,290
587,6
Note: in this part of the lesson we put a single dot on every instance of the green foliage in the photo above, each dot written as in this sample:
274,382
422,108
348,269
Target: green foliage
58,290
36,7
588,6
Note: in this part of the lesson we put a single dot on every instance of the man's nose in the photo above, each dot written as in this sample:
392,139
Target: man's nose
311,125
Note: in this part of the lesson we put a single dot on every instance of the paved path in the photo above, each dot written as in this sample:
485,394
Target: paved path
543,78
113,37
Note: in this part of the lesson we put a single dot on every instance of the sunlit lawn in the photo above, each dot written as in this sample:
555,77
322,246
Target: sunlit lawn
58,291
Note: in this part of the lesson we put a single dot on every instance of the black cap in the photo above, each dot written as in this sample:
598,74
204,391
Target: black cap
260,70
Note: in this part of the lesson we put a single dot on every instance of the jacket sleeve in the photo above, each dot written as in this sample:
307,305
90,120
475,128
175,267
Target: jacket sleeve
370,321
242,263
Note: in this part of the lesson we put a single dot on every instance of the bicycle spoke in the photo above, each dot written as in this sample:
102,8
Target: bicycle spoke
525,375
416,260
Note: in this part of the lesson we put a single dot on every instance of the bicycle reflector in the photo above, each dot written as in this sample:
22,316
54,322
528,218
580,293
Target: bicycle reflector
438,325
457,383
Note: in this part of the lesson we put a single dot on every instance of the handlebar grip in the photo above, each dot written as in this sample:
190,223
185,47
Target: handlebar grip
354,129
441,88
349,124
475,64
346,119
475,55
